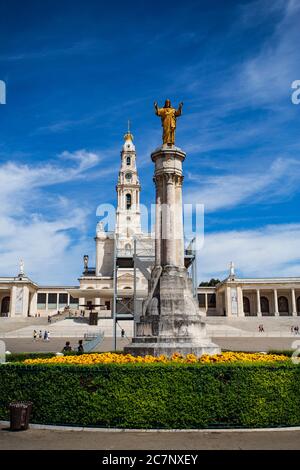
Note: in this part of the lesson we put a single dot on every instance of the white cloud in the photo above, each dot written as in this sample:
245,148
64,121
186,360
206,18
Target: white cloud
51,239
227,191
85,47
270,251
85,159
266,78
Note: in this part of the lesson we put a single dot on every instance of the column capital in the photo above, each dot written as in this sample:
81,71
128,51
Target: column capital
170,178
179,180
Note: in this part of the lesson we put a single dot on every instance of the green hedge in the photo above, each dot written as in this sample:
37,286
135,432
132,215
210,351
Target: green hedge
279,352
19,357
156,395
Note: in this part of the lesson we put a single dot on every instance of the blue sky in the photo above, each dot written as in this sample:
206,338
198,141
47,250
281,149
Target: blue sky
76,71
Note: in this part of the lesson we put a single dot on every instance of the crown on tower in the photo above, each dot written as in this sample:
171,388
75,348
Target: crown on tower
128,135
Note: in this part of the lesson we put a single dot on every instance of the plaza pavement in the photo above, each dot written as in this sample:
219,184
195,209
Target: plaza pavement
56,344
240,334
49,439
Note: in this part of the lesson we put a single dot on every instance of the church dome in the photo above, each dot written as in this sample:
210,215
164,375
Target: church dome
128,144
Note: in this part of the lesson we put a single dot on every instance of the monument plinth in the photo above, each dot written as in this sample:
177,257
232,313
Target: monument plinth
171,320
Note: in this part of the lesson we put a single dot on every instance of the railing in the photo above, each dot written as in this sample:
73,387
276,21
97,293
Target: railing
251,334
72,333
91,340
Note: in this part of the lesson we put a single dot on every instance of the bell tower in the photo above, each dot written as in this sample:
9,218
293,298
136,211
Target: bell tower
128,216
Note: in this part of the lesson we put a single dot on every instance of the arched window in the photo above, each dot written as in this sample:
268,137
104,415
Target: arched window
246,305
5,306
298,305
128,161
128,201
264,305
283,304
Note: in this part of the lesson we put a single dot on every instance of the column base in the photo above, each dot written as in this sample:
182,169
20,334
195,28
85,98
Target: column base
156,346
172,321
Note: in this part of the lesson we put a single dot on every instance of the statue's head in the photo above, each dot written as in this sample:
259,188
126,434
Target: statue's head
167,104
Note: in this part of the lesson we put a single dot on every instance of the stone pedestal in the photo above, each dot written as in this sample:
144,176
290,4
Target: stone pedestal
171,320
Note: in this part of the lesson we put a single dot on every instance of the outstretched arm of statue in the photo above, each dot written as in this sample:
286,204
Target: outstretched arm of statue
156,107
179,110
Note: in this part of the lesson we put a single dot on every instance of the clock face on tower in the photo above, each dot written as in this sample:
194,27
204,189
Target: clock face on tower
128,177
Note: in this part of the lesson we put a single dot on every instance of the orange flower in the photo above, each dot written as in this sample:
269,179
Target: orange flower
112,358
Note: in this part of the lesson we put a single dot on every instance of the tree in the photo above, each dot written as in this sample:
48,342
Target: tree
212,283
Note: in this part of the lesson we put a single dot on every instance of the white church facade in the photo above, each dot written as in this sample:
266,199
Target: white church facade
116,284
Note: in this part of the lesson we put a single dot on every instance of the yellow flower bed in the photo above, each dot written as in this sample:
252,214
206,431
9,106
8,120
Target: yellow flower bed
112,358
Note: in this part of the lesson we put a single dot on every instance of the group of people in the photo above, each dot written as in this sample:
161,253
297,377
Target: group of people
68,347
40,335
295,330
261,328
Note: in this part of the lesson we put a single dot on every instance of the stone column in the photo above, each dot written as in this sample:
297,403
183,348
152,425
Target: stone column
294,306
258,303
228,301
81,301
171,320
33,305
12,301
97,302
276,312
179,235
170,221
241,312
158,183
206,303
168,180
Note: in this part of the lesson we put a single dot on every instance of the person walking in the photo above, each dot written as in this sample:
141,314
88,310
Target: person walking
34,335
122,333
40,334
80,348
45,335
67,347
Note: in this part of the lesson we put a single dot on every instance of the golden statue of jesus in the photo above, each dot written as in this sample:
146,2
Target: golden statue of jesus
168,120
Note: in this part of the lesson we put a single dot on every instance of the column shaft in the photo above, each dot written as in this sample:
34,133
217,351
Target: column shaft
258,303
178,235
170,219
206,303
276,312
158,223
241,312
294,306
